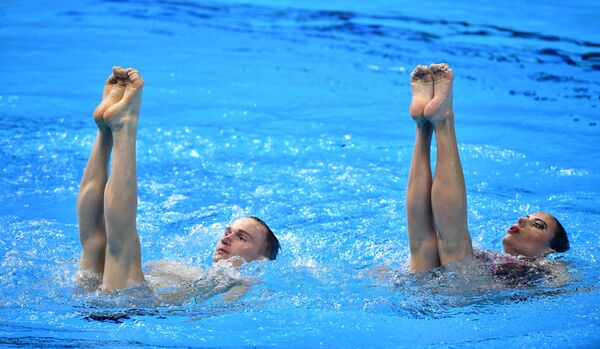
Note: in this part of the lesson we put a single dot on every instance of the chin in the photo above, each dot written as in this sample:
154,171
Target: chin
507,246
217,257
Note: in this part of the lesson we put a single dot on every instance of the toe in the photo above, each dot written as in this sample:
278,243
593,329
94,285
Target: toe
440,70
120,73
111,80
135,78
421,73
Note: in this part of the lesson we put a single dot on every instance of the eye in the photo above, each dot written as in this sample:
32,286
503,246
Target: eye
241,237
538,225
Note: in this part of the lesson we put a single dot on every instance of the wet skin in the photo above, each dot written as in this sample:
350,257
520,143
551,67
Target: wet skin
244,238
107,205
436,205
530,236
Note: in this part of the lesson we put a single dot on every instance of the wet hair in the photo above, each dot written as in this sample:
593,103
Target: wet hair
272,247
560,241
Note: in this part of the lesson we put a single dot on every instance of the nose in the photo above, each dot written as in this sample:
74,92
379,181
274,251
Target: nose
226,240
521,221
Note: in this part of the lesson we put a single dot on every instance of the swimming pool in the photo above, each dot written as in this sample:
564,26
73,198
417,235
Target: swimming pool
297,112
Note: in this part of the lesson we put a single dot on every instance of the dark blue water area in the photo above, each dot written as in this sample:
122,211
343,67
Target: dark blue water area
297,112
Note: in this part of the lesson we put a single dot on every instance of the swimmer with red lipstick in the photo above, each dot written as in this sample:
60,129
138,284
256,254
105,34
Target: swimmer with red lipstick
436,206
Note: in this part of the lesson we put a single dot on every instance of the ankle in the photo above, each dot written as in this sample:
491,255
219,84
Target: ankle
424,130
423,124
104,131
125,125
444,122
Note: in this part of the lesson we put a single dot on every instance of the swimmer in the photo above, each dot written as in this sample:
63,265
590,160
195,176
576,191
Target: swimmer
107,207
436,207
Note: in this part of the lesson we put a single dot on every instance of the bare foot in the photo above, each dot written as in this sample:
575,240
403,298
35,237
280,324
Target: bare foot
440,107
112,94
127,109
421,83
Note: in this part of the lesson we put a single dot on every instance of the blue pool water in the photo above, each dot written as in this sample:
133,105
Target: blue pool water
296,111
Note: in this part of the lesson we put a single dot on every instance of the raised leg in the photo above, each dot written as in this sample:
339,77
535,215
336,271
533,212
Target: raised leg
123,253
90,201
90,205
449,201
421,232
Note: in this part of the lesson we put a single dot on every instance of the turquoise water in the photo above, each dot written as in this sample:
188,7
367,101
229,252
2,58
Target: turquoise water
296,111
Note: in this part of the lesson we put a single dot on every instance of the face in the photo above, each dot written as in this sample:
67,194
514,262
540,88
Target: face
244,238
530,236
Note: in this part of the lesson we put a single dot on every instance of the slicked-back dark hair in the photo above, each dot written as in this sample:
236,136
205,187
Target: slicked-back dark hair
273,245
560,241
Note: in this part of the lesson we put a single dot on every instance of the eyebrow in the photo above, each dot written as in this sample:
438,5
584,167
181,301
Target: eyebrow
544,223
241,231
246,233
540,220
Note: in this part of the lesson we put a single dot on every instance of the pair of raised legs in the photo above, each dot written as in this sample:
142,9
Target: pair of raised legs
107,207
436,207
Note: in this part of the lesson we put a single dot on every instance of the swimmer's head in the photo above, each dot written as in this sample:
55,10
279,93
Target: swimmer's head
249,238
535,235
